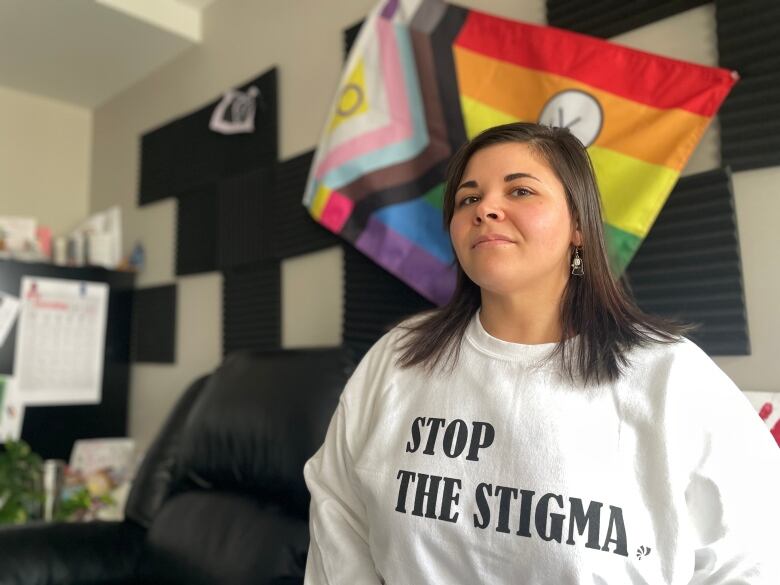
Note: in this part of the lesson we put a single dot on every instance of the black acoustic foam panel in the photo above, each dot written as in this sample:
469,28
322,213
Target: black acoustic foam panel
374,300
293,230
196,231
155,180
749,42
350,36
689,266
608,18
184,154
251,308
245,215
154,324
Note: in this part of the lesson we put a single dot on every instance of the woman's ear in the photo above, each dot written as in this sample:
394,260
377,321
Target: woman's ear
576,237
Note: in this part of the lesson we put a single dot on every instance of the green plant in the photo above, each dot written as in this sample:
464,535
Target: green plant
75,504
21,493
79,503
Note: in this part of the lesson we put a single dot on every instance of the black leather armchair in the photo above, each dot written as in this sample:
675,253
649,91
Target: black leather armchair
220,497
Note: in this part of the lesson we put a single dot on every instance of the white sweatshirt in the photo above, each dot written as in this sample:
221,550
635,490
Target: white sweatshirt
502,472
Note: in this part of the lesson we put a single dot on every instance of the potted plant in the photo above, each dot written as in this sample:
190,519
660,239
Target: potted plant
21,492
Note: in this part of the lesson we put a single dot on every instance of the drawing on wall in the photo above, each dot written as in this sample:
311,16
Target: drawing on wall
235,113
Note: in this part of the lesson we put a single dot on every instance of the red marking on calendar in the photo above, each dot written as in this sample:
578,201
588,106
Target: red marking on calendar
56,305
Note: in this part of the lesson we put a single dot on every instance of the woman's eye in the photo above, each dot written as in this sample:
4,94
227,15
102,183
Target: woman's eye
467,200
521,191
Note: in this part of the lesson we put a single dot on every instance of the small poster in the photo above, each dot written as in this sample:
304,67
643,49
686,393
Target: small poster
106,468
91,455
60,341
11,410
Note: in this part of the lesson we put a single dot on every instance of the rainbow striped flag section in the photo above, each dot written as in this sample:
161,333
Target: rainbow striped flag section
424,76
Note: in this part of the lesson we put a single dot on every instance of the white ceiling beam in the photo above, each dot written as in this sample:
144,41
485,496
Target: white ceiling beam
170,15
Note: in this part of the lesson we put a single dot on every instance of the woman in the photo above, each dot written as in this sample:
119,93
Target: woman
539,428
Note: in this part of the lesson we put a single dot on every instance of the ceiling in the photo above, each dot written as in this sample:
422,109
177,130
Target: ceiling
84,52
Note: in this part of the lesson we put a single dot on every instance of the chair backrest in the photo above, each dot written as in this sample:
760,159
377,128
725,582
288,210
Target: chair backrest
222,490
157,475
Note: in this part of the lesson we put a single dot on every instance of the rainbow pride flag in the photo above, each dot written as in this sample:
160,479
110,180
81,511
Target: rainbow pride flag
424,76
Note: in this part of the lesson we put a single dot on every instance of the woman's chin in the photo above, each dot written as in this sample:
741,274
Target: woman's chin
499,286
497,283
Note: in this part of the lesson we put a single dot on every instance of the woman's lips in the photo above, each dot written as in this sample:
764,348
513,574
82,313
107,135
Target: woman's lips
492,243
491,240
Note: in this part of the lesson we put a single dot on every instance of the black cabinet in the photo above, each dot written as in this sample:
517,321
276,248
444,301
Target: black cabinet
51,430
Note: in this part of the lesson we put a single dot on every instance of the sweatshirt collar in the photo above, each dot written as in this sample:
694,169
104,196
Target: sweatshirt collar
519,352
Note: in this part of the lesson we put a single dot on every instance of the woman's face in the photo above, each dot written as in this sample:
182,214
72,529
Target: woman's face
509,192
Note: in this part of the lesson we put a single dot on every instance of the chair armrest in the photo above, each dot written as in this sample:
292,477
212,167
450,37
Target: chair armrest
50,554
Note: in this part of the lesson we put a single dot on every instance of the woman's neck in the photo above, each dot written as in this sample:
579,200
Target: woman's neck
522,318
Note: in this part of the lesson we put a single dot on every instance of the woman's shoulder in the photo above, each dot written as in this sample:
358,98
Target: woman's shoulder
673,359
681,352
648,345
383,352
683,373
378,368
392,340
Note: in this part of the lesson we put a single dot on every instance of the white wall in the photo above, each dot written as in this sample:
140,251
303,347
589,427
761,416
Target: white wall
45,151
304,40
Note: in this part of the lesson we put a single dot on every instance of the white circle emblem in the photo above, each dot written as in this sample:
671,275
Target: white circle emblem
576,110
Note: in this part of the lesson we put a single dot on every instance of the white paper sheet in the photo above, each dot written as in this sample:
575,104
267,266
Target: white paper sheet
60,342
9,307
11,410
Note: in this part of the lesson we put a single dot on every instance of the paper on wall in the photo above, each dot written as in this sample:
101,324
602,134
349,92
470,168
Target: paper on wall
60,341
11,410
9,307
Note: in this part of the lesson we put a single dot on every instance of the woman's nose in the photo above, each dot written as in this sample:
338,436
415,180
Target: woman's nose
487,210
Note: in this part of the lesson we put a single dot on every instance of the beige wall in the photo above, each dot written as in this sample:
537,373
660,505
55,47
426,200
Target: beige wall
45,151
304,40
757,198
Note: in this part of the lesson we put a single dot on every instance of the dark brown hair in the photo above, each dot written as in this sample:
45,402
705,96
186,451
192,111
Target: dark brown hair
596,306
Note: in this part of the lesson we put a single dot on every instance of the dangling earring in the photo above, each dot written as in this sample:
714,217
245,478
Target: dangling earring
576,263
